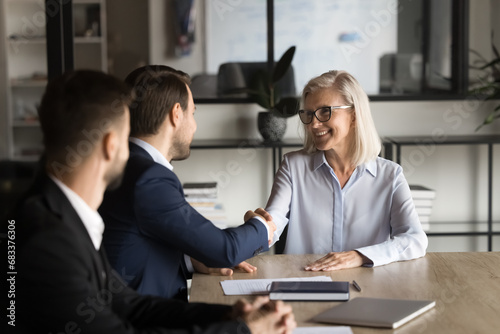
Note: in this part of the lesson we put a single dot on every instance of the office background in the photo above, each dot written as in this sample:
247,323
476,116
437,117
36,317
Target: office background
137,34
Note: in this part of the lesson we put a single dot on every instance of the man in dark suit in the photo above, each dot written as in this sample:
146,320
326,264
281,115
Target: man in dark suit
149,225
64,283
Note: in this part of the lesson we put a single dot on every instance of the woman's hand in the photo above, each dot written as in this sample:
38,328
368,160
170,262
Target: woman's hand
338,260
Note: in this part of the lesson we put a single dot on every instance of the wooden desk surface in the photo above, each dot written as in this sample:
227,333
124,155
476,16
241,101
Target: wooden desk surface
466,287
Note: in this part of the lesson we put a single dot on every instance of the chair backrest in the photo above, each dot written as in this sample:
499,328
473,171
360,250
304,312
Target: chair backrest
15,179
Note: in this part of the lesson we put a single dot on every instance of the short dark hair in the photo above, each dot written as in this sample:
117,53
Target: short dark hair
157,88
76,110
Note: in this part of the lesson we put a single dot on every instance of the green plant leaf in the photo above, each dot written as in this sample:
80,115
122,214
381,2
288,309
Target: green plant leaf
283,64
490,64
495,51
287,107
259,89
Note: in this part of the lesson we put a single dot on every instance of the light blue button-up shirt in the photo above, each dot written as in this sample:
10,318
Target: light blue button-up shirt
373,214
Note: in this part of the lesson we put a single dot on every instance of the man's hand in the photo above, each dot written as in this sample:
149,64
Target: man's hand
338,260
203,269
267,217
266,317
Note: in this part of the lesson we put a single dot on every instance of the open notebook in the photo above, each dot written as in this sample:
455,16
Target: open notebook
375,312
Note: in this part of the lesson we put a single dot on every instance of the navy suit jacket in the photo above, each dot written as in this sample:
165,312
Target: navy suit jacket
64,285
149,226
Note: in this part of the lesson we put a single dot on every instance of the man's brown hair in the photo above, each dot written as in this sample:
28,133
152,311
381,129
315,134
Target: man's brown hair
77,109
157,89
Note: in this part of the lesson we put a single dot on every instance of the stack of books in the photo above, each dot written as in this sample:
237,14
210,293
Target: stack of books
203,197
423,199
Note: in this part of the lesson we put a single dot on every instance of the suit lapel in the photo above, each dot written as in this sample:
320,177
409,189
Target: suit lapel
60,205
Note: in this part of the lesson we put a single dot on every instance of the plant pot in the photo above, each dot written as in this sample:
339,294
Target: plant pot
271,127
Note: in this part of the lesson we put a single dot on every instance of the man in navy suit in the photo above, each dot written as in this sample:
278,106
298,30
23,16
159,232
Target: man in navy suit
151,231
64,283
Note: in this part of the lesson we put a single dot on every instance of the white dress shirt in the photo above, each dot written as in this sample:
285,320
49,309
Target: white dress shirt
373,214
153,152
91,219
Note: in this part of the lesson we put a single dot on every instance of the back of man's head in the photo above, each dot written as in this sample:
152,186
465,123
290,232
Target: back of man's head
157,89
77,110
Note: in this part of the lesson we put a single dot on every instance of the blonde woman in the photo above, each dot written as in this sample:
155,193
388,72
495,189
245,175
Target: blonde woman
336,195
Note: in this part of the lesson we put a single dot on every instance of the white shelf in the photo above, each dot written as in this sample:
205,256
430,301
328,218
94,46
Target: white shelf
27,40
88,40
461,226
25,65
87,2
43,40
26,157
28,83
26,1
25,124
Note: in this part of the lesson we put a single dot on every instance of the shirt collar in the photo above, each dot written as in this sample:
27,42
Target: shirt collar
320,159
153,152
90,218
371,167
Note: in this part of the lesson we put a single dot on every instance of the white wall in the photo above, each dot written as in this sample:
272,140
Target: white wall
128,31
161,38
3,88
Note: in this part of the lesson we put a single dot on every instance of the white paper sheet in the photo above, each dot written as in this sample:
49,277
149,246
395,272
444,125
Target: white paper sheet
261,286
323,330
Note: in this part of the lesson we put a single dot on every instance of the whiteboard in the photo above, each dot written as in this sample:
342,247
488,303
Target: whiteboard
348,35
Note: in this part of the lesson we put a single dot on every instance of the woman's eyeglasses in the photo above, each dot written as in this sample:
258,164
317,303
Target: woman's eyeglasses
323,114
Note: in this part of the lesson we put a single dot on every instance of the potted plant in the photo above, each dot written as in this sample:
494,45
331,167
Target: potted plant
487,86
264,91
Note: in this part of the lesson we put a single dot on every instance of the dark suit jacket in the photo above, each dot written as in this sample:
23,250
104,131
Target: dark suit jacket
149,226
63,284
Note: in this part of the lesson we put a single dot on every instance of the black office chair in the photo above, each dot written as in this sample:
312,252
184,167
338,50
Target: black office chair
238,75
279,246
15,179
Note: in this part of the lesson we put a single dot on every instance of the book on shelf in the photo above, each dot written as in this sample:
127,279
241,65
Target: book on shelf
425,222
309,290
423,199
423,211
424,218
200,189
423,202
201,202
202,196
421,192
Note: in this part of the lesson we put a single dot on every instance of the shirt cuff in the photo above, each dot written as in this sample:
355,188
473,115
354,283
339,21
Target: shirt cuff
262,220
189,265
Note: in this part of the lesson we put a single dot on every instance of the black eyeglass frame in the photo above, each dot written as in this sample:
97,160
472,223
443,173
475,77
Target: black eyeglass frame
314,113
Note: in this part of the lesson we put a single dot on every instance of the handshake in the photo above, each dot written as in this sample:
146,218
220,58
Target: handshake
266,218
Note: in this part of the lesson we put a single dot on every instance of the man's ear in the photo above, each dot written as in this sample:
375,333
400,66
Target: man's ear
176,114
109,145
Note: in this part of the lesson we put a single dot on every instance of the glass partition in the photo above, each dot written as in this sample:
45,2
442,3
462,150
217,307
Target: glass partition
406,49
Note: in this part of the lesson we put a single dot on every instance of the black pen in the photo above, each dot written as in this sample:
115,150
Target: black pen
356,285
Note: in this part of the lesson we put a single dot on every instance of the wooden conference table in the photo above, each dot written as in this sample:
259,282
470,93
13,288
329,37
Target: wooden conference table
466,287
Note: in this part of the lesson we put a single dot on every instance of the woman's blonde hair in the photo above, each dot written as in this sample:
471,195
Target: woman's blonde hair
366,144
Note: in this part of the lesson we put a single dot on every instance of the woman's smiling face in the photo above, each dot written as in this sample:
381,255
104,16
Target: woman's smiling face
335,133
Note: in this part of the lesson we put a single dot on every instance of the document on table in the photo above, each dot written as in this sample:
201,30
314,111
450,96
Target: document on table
323,330
261,286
